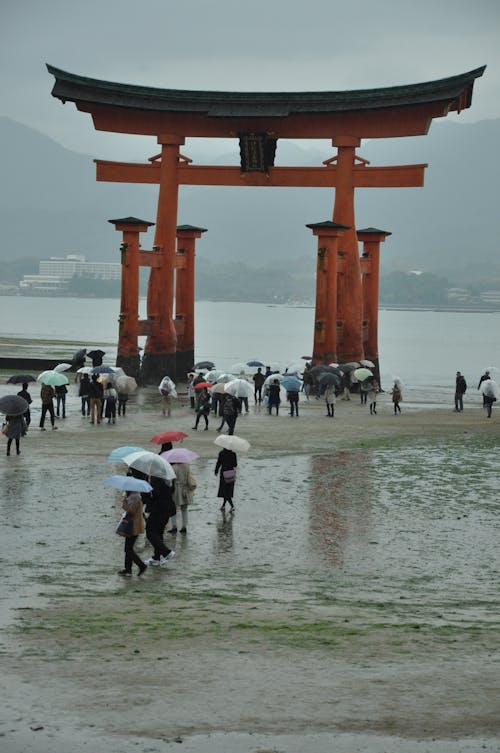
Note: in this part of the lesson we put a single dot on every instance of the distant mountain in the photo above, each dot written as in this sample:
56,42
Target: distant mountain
51,204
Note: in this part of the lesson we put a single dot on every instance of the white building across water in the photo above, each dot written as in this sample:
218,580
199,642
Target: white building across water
54,273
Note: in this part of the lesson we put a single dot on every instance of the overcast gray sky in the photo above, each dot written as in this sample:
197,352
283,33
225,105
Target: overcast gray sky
280,45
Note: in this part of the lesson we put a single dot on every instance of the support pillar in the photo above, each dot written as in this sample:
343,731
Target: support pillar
128,350
349,303
159,353
185,296
326,325
371,238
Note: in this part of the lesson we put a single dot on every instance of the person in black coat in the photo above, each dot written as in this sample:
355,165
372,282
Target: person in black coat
160,507
460,387
226,465
26,396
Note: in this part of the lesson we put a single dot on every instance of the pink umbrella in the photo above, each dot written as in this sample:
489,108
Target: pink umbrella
179,455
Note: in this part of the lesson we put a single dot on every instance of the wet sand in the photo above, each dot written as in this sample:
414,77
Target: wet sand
299,623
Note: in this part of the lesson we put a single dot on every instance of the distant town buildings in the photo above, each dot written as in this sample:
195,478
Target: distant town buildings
55,273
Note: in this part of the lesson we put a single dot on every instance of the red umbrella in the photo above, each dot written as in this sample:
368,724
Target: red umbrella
201,385
168,436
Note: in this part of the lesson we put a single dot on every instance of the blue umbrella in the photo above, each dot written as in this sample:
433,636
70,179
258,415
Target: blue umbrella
128,484
255,363
117,455
291,383
103,370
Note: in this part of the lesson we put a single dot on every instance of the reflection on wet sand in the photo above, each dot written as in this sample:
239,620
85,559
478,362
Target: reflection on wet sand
340,498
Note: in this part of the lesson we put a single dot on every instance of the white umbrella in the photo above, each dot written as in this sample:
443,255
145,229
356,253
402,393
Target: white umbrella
169,385
219,388
225,378
85,370
213,376
232,442
54,378
239,388
126,384
490,388
368,364
62,367
295,368
270,379
151,464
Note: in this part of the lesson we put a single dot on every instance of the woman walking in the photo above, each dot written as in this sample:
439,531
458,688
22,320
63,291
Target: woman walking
226,465
159,508
330,400
132,504
203,408
397,396
185,484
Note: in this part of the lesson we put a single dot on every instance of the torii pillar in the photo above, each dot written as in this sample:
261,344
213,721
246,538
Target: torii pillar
161,343
128,350
184,296
327,327
371,238
349,292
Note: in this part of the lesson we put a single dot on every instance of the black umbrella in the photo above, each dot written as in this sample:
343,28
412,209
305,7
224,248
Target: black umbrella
319,369
21,379
78,359
13,405
347,367
329,378
204,365
96,356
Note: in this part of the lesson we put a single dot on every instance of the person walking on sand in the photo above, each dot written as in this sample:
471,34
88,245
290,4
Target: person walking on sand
203,408
460,388
122,398
132,504
226,465
26,396
185,484
397,397
16,428
372,396
47,397
230,407
159,508
330,400
483,378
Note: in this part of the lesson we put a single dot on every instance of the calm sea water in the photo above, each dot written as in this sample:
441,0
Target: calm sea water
423,348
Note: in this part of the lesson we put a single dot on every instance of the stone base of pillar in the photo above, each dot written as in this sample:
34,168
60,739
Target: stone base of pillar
131,365
185,363
155,366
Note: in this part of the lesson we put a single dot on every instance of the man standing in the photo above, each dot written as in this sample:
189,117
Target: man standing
258,380
96,393
483,378
460,387
47,396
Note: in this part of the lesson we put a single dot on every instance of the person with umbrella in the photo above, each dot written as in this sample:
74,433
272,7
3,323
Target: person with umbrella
484,377
307,381
132,504
185,484
47,395
225,466
160,507
397,397
230,409
16,427
84,394
330,399
372,396
96,393
203,407
26,396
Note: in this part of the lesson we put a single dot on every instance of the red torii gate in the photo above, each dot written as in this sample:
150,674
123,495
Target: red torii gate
347,315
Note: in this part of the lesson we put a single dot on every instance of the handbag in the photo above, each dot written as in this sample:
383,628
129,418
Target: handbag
5,428
229,476
126,525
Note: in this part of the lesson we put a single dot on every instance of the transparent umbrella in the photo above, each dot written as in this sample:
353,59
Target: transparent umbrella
54,378
151,464
232,442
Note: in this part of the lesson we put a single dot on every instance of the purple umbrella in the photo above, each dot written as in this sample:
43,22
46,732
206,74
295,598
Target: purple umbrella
179,455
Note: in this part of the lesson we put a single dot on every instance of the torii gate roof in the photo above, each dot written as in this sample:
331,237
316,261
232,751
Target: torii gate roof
219,113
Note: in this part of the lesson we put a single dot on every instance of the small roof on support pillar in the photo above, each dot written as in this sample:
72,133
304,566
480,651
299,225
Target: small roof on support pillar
131,221
372,231
327,225
190,229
